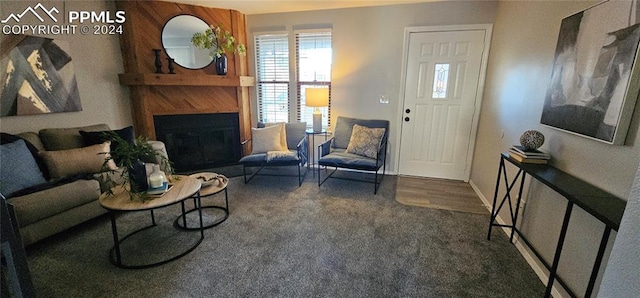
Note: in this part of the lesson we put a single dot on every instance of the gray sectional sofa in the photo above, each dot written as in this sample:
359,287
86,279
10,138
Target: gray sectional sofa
72,198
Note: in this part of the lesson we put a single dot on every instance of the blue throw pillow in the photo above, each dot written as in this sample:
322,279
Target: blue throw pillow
18,169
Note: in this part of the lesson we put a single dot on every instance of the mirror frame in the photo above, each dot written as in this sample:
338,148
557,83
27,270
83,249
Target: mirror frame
196,67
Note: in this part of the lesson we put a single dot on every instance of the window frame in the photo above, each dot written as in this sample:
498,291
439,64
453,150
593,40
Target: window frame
295,97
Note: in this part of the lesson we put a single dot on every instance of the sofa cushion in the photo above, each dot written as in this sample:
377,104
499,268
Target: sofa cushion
99,137
365,141
67,138
266,139
18,169
86,160
43,204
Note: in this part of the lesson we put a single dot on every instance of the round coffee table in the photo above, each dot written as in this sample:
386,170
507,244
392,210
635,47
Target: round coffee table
208,189
183,187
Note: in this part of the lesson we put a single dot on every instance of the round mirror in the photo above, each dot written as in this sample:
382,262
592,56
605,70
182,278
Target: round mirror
176,40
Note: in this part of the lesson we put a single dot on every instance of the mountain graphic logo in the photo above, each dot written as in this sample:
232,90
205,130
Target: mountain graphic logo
34,11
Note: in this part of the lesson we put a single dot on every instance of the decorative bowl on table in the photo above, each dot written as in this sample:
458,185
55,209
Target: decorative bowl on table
209,179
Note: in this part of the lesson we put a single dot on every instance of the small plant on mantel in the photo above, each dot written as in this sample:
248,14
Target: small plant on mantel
127,156
219,42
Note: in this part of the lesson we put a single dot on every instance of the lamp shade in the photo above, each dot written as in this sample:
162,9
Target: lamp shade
317,97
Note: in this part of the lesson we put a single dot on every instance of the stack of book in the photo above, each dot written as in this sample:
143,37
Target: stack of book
524,155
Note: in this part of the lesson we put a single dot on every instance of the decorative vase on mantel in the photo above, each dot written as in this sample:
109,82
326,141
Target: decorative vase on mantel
221,64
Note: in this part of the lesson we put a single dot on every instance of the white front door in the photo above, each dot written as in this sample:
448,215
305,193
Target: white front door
443,71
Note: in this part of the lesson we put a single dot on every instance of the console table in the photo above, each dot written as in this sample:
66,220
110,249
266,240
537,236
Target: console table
602,205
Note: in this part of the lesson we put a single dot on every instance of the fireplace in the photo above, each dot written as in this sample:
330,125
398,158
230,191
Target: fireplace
200,141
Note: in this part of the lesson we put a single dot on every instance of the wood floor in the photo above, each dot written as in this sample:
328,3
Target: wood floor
439,194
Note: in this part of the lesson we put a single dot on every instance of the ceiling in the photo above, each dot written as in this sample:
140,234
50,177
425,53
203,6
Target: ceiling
248,7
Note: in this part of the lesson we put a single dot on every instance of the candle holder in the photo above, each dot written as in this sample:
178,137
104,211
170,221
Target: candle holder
170,65
158,63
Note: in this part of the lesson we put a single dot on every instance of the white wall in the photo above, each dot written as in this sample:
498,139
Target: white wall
367,48
522,50
97,61
621,278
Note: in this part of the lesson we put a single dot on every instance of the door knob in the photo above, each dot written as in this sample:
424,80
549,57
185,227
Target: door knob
407,111
406,119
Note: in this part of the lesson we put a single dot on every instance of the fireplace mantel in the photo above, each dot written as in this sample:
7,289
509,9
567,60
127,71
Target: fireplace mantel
188,91
154,79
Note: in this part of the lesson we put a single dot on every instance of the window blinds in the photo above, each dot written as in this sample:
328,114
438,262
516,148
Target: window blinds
272,74
313,70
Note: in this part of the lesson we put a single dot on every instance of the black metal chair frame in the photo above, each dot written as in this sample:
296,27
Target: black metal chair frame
302,161
325,148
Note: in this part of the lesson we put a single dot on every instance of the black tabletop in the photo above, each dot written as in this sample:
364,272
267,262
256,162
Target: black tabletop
604,206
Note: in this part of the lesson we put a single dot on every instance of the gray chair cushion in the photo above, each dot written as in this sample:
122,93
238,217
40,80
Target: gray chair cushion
261,159
344,127
339,158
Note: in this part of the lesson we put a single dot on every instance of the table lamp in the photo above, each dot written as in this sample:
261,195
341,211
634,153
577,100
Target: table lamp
317,97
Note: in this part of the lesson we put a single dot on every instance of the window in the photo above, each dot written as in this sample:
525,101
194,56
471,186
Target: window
312,58
272,76
440,80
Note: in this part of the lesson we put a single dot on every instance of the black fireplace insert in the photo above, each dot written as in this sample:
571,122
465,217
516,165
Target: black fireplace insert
200,141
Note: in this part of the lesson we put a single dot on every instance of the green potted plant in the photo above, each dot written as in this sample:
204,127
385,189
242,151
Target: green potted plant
219,42
129,157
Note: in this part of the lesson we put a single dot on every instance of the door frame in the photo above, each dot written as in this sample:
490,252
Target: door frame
488,30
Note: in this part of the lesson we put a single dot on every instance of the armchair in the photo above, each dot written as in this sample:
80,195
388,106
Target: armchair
277,145
357,144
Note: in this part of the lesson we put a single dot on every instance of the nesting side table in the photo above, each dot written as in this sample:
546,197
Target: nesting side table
207,190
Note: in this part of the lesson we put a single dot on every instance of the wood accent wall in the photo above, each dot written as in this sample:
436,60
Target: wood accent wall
142,33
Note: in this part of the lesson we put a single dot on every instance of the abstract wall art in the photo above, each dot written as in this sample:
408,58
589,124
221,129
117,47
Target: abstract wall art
595,82
37,77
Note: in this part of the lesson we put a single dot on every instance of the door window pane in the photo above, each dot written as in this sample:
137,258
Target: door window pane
440,80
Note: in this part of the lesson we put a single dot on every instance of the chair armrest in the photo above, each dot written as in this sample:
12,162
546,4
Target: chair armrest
303,148
382,152
325,147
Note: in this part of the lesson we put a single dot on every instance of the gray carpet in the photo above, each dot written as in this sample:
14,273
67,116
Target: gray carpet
284,241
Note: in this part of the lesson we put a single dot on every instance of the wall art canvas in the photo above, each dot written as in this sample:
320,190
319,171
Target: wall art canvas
595,82
37,77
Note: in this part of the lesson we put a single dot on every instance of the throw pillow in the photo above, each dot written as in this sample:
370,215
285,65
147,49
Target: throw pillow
365,141
266,139
6,138
99,137
85,160
18,169
283,132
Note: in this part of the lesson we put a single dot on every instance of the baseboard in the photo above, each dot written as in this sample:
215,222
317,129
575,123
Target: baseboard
539,269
